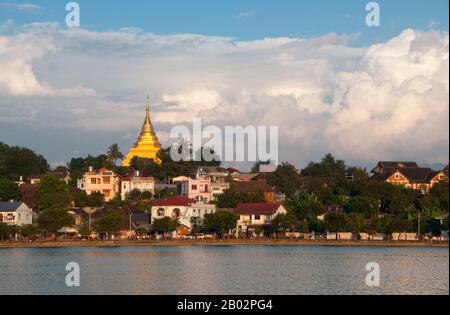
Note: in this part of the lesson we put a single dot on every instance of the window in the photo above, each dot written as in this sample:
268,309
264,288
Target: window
160,212
176,213
93,181
257,217
106,180
194,187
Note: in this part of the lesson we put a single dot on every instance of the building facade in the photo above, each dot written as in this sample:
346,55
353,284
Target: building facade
16,213
184,209
197,189
103,181
136,182
254,216
409,175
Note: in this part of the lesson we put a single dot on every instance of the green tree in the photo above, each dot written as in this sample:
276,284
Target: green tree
135,194
95,200
286,178
141,231
329,167
335,222
80,199
146,195
165,224
52,193
6,231
84,231
305,226
221,221
114,153
366,206
9,190
29,230
284,222
304,204
441,192
16,162
231,198
355,222
110,223
53,219
434,227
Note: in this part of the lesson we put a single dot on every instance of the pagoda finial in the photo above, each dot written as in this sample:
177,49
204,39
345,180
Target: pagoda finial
148,103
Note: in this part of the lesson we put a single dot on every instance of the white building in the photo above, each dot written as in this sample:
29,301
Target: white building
257,215
136,181
184,209
15,213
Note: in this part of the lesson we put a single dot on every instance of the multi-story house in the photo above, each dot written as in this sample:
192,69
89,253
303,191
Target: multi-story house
15,213
197,189
103,181
136,182
409,175
205,185
254,216
186,210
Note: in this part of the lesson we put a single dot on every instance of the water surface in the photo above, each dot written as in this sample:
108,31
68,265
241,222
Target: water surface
225,270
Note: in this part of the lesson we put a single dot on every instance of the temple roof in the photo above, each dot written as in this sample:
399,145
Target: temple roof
147,144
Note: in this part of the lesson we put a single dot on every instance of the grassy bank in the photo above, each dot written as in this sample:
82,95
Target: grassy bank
57,244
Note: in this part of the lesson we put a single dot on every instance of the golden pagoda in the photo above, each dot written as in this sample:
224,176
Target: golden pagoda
147,145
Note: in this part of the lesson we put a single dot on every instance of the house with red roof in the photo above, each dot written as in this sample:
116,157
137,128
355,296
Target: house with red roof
253,216
185,210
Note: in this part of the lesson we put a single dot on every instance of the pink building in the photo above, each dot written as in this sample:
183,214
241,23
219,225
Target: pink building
197,189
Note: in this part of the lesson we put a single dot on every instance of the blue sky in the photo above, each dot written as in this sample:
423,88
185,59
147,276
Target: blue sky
382,95
243,19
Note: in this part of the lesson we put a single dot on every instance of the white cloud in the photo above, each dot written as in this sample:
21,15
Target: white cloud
386,101
20,6
245,14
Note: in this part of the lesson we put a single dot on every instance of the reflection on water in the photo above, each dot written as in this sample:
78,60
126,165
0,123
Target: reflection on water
225,270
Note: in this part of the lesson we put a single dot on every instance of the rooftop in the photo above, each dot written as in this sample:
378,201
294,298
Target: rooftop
9,206
259,208
173,201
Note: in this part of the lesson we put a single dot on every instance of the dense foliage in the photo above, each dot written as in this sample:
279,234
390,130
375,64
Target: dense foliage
16,161
9,190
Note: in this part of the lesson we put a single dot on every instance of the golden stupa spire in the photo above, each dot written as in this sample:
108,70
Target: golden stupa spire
147,145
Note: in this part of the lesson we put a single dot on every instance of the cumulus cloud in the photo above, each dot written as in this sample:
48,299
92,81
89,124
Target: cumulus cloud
385,101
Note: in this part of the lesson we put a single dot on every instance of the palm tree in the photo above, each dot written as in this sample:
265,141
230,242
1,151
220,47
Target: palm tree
114,153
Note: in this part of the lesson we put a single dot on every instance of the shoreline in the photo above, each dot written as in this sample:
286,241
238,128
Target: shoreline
256,243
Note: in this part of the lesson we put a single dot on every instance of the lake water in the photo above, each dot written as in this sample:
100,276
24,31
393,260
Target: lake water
225,270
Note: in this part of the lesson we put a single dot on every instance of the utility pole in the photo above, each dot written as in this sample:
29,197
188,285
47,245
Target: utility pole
130,226
418,225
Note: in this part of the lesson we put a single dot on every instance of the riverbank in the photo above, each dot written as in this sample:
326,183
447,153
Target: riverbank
58,244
